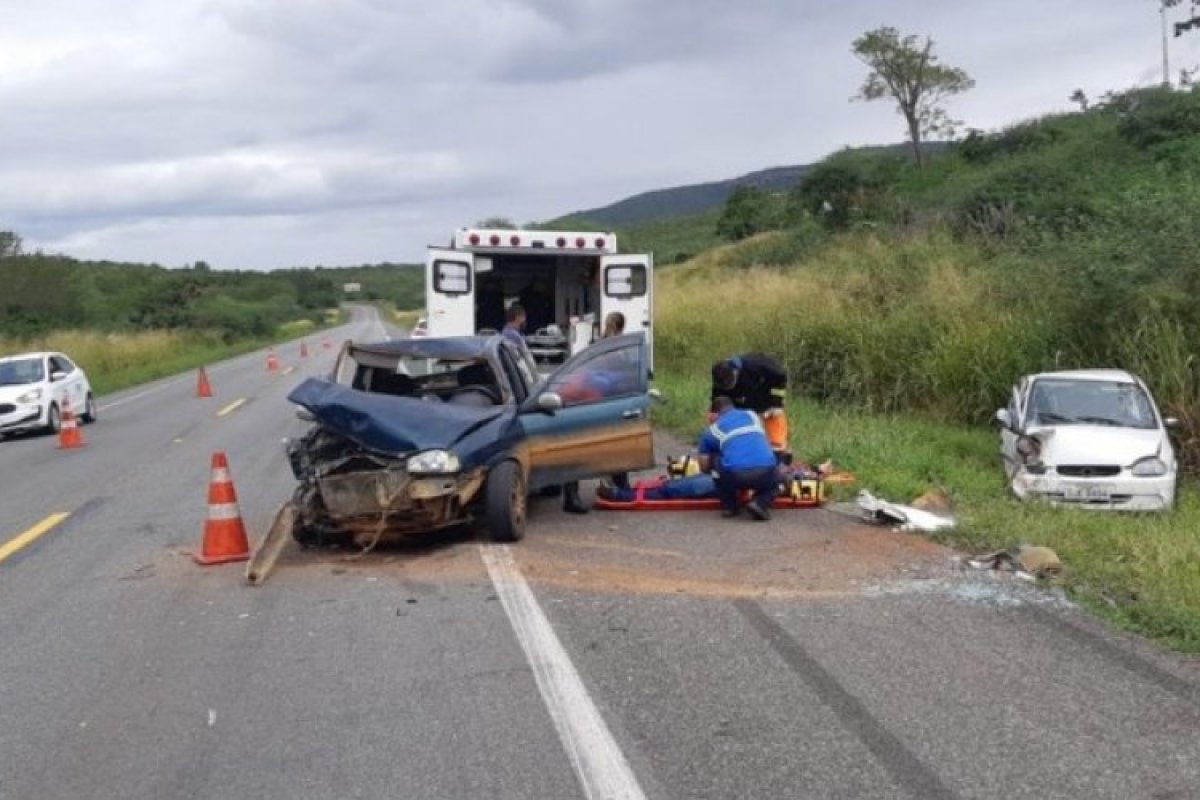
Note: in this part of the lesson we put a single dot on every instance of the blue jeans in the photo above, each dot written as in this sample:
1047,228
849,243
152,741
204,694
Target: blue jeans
763,481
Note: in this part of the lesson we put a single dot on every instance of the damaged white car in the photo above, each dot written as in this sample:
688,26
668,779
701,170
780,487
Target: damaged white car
1092,438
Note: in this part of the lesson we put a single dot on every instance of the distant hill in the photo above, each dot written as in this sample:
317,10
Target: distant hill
683,200
660,204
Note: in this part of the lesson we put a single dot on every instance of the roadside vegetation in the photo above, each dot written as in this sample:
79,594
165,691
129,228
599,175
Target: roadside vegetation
905,301
129,323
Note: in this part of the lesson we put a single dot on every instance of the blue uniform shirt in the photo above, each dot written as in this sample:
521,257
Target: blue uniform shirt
738,438
511,333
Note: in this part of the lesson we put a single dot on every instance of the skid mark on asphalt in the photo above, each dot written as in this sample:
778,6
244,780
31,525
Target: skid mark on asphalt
599,764
1120,654
908,770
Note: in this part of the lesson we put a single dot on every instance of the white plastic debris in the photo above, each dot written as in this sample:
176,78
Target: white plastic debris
905,518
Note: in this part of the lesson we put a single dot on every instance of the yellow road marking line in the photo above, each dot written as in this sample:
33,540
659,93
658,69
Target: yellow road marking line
32,535
232,407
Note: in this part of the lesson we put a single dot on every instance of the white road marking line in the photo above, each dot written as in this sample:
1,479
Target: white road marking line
212,717
598,762
232,407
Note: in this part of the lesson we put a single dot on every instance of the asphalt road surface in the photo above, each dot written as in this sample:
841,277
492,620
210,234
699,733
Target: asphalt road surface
607,656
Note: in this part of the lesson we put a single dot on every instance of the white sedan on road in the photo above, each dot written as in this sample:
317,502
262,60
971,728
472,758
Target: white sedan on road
35,387
1093,438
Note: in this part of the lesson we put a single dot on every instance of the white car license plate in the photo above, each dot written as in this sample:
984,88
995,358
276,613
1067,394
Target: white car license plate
1093,493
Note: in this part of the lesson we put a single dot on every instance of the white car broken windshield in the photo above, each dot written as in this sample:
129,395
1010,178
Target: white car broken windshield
1057,401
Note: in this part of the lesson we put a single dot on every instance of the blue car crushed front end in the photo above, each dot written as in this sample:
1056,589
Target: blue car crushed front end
354,465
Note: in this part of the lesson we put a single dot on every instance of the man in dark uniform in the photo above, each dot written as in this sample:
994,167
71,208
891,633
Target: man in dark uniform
756,382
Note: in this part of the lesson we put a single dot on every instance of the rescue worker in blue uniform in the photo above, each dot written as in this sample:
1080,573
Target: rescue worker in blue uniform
735,446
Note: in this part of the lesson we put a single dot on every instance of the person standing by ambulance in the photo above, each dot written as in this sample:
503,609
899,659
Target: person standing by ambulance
756,382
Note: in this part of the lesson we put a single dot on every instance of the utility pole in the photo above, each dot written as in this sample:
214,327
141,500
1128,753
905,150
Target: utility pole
1162,12
1163,5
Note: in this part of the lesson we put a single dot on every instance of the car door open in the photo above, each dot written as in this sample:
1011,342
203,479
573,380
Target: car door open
590,417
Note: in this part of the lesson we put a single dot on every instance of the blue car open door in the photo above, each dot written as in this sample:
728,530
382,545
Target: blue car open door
590,417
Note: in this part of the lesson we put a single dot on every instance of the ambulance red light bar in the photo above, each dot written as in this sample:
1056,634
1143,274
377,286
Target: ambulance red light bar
526,240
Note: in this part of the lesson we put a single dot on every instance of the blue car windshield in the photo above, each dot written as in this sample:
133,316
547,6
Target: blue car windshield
22,371
1056,401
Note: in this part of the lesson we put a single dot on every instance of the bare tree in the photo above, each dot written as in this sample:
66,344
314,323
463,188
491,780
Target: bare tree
906,69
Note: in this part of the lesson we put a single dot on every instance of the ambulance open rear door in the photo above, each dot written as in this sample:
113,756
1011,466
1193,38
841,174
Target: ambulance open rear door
450,292
626,285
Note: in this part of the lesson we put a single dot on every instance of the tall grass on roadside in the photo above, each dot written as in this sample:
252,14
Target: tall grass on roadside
116,360
885,325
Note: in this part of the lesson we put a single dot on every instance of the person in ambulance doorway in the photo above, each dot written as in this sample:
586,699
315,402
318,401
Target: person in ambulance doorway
514,324
735,446
756,382
592,388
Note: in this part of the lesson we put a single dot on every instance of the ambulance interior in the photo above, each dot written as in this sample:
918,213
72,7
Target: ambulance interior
553,290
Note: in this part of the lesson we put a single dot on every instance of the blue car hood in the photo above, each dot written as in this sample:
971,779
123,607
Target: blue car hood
385,424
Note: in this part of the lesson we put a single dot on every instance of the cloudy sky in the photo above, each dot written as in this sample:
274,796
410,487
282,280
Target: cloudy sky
264,133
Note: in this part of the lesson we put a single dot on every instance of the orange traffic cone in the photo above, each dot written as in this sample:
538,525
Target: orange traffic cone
224,533
272,361
69,434
304,349
203,389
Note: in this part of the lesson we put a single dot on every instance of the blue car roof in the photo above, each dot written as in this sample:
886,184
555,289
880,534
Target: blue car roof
451,347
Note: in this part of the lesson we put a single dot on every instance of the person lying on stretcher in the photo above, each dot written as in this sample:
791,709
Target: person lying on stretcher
686,482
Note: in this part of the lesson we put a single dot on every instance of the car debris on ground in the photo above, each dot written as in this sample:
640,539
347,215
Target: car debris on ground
904,517
1031,562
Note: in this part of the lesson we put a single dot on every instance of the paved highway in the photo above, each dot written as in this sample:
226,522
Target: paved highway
623,656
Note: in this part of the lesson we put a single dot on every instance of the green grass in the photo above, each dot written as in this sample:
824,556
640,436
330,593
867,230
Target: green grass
1142,572
116,361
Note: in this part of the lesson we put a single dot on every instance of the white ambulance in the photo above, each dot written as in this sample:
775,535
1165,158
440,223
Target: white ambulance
567,282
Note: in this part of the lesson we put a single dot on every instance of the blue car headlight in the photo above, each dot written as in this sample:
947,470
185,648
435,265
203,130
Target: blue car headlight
433,462
1151,467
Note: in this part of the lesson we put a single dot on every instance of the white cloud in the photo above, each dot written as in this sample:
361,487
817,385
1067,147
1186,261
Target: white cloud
274,132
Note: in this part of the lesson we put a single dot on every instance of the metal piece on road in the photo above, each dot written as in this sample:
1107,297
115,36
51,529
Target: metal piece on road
599,764
263,561
23,540
908,770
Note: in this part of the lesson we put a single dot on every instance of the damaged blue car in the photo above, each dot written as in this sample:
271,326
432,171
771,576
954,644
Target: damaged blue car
416,435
